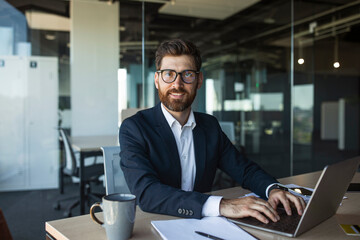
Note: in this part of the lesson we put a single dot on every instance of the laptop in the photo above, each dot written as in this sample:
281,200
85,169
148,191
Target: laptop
323,204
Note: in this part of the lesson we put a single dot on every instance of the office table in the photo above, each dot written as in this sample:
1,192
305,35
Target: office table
83,227
89,146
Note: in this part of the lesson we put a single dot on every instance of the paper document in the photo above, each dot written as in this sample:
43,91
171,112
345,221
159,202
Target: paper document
185,229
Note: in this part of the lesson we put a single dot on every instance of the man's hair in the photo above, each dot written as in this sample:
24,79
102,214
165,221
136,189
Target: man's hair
177,47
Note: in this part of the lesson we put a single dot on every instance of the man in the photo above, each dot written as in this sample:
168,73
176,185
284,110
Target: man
169,154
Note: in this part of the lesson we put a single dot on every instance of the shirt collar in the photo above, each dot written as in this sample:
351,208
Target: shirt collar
171,120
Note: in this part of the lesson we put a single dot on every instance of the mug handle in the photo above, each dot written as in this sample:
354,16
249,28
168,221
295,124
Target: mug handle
92,214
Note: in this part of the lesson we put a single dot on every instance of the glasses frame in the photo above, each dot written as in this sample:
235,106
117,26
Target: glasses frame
178,73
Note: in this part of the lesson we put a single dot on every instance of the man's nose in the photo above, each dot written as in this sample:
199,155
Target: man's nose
178,81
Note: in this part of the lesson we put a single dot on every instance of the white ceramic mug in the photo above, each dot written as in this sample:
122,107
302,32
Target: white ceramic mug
119,215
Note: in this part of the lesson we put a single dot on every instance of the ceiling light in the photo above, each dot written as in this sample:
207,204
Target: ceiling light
301,60
46,21
269,20
214,9
336,53
50,37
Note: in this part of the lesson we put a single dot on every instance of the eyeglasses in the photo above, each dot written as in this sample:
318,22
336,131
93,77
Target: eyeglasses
169,76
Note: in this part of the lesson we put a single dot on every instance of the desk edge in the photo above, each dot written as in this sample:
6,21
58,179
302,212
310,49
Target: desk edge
53,232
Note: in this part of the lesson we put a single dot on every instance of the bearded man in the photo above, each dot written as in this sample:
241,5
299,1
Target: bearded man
169,154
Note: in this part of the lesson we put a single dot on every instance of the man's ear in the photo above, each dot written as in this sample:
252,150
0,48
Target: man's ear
156,80
200,80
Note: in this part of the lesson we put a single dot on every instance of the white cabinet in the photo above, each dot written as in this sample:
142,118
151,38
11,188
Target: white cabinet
29,156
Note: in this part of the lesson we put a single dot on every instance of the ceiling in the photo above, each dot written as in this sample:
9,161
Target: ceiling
209,9
219,26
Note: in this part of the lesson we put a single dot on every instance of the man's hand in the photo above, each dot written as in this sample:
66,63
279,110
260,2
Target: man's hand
277,196
260,209
248,207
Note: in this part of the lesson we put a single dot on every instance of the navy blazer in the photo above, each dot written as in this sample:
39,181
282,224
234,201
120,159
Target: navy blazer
151,163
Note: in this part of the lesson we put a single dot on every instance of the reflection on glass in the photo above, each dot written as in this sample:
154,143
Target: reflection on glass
267,101
122,91
303,113
13,29
213,103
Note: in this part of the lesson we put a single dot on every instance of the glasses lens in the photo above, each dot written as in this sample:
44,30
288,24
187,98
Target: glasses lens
188,76
168,75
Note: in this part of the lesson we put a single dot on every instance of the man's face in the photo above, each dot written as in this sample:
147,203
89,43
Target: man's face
177,96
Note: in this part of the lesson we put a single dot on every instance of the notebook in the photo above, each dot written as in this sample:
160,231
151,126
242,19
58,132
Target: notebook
185,229
323,204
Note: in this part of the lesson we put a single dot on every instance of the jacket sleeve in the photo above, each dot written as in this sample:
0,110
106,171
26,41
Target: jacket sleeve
143,180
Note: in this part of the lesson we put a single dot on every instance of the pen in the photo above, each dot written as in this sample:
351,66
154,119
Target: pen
208,235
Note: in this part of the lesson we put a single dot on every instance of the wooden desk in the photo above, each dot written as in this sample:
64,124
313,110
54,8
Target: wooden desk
83,227
89,146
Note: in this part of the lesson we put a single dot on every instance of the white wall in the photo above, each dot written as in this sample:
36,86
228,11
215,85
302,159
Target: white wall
94,61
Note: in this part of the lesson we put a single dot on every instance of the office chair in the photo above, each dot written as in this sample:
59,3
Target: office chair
229,129
70,167
114,176
128,112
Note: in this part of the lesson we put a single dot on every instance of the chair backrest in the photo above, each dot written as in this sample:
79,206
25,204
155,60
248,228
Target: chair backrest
114,176
70,167
229,129
128,112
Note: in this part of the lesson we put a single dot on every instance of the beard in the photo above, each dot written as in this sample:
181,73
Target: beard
177,105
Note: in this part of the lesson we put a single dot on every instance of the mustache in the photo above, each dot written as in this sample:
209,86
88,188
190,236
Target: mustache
179,90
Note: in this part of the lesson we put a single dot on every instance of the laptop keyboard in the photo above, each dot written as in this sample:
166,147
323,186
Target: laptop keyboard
286,224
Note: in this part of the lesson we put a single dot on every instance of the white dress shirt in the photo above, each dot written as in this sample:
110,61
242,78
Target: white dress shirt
185,145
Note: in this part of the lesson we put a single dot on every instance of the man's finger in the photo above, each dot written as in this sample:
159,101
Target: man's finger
298,201
271,208
257,215
247,207
279,196
273,202
285,202
303,203
267,210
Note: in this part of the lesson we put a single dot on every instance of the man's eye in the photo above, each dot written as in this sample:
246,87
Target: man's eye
188,74
168,74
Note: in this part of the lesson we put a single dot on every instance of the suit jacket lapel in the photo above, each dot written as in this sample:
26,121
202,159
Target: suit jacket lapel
200,152
169,143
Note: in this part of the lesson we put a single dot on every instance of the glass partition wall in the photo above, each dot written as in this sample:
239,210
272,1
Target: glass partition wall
33,64
269,74
326,83
282,77
248,85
